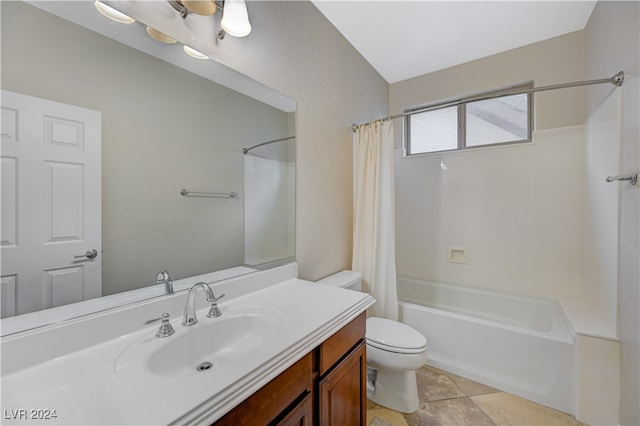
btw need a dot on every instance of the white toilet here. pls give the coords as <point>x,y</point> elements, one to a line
<point>394,352</point>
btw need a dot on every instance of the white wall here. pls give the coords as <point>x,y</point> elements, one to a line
<point>599,248</point>
<point>269,193</point>
<point>613,44</point>
<point>516,209</point>
<point>609,43</point>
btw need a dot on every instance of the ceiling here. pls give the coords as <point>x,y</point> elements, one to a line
<point>405,39</point>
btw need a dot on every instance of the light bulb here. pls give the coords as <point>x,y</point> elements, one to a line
<point>194,53</point>
<point>200,7</point>
<point>113,14</point>
<point>235,20</point>
<point>161,37</point>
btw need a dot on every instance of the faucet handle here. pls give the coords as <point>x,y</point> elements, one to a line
<point>214,311</point>
<point>165,329</point>
<point>215,299</point>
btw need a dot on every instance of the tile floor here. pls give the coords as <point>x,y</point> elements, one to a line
<point>447,399</point>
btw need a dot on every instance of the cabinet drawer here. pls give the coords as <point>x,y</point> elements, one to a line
<point>336,346</point>
<point>267,403</point>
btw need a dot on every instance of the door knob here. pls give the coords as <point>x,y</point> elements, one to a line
<point>90,254</point>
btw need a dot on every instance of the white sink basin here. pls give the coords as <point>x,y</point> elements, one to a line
<point>208,346</point>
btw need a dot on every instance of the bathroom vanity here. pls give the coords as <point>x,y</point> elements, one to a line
<point>326,387</point>
<point>284,351</point>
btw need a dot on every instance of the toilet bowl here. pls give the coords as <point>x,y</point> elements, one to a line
<point>394,352</point>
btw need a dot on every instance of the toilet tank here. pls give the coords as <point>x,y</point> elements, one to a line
<point>345,279</point>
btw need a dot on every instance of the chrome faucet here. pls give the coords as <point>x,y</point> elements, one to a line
<point>189,317</point>
<point>164,278</point>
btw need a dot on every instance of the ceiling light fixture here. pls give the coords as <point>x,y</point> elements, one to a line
<point>113,14</point>
<point>235,18</point>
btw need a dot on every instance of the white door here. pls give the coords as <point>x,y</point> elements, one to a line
<point>51,204</point>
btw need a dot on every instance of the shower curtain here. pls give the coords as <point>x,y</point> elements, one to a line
<point>374,218</point>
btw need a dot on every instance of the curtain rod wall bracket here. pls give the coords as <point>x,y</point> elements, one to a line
<point>618,79</point>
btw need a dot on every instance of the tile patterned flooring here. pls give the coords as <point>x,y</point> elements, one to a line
<point>447,399</point>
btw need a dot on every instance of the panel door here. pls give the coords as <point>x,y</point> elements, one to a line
<point>343,391</point>
<point>300,415</point>
<point>51,204</point>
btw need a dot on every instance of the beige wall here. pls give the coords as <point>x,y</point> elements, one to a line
<point>164,129</point>
<point>294,49</point>
<point>613,44</point>
<point>557,60</point>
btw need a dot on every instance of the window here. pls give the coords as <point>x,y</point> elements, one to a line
<point>471,124</point>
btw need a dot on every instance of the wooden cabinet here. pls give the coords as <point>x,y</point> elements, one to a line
<point>273,400</point>
<point>343,393</point>
<point>327,387</point>
<point>300,415</point>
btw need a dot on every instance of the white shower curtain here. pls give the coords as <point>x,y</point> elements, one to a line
<point>374,254</point>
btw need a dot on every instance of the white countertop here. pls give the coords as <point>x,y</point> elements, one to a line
<point>84,388</point>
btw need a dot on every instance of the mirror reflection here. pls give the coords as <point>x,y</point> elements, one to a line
<point>98,141</point>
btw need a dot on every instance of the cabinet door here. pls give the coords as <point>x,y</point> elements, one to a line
<point>343,392</point>
<point>267,404</point>
<point>300,415</point>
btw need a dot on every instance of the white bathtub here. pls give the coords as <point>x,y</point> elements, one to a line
<point>514,343</point>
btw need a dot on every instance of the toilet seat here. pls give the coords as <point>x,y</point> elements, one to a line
<point>393,336</point>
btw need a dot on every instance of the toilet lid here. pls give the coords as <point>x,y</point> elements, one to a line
<point>394,336</point>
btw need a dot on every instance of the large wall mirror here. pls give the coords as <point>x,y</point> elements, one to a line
<point>162,126</point>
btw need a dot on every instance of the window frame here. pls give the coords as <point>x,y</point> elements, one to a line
<point>462,119</point>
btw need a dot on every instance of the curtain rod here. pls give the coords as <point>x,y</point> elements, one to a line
<point>245,150</point>
<point>616,80</point>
